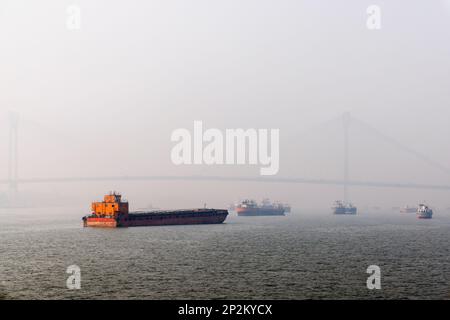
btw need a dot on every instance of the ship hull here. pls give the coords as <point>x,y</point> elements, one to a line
<point>249,212</point>
<point>182,217</point>
<point>344,211</point>
<point>425,216</point>
<point>100,222</point>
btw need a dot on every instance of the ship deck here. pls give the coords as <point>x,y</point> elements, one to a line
<point>175,211</point>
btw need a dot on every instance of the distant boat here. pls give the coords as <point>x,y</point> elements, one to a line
<point>266,208</point>
<point>408,209</point>
<point>341,207</point>
<point>424,212</point>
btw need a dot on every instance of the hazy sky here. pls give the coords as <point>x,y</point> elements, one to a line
<point>103,100</point>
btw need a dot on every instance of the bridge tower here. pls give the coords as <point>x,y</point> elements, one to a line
<point>13,173</point>
<point>346,119</point>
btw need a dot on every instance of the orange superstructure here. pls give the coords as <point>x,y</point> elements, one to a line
<point>111,212</point>
<point>111,206</point>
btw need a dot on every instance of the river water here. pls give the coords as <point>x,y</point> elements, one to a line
<point>300,256</point>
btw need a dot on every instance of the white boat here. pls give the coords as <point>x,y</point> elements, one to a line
<point>424,212</point>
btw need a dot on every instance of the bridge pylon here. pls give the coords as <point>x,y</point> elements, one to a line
<point>13,168</point>
<point>346,120</point>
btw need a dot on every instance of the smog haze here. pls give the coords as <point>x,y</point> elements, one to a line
<point>104,99</point>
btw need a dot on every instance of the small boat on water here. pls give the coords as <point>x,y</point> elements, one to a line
<point>424,212</point>
<point>341,207</point>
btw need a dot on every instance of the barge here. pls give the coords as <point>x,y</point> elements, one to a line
<point>113,212</point>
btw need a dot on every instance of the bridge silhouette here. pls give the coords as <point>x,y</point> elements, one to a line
<point>14,181</point>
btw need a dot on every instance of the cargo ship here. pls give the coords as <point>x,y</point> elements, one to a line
<point>424,212</point>
<point>251,208</point>
<point>113,212</point>
<point>341,207</point>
